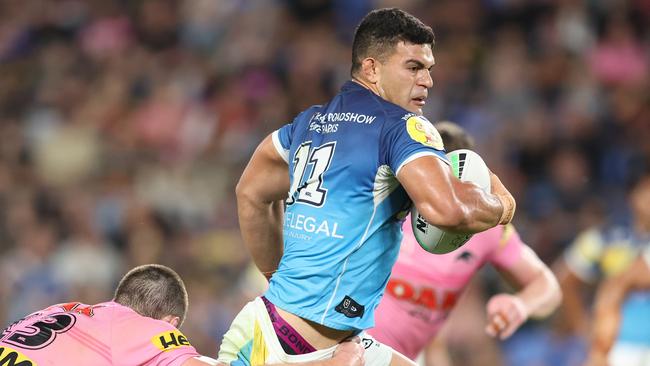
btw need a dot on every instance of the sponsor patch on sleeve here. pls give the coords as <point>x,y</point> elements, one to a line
<point>10,356</point>
<point>169,340</point>
<point>422,131</point>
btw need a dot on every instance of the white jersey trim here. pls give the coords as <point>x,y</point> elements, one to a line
<point>417,156</point>
<point>284,153</point>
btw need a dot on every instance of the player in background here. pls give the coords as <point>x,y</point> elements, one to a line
<point>138,327</point>
<point>424,287</point>
<point>351,168</point>
<point>620,331</point>
<point>598,254</point>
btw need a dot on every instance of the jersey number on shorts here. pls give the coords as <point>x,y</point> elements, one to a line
<point>308,188</point>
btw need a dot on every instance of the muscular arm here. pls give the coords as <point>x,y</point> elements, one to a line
<point>447,202</point>
<point>609,298</point>
<point>540,290</point>
<point>260,193</point>
<point>539,295</point>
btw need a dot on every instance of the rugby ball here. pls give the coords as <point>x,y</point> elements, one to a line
<point>468,166</point>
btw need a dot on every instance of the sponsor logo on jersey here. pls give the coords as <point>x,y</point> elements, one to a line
<point>79,308</point>
<point>423,132</point>
<point>350,308</point>
<point>11,357</point>
<point>311,225</point>
<point>421,295</point>
<point>342,117</point>
<point>169,340</point>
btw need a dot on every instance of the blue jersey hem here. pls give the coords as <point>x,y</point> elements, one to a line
<point>309,316</point>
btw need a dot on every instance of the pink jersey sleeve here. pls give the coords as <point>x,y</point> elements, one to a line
<point>139,340</point>
<point>507,246</point>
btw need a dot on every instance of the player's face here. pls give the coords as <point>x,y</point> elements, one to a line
<point>405,76</point>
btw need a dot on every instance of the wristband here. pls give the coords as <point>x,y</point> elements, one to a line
<point>509,206</point>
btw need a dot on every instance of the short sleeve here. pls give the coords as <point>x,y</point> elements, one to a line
<point>283,137</point>
<point>145,341</point>
<point>583,255</point>
<point>409,138</point>
<point>508,249</point>
<point>282,141</point>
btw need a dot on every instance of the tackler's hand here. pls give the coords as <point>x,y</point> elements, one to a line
<point>349,353</point>
<point>506,313</point>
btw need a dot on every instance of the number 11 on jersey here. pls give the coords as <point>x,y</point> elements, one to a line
<point>309,166</point>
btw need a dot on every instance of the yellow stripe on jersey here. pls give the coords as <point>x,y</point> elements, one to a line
<point>259,352</point>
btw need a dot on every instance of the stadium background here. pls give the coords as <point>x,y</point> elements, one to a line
<point>124,126</point>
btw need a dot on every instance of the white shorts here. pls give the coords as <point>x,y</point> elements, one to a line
<point>251,341</point>
<point>629,354</point>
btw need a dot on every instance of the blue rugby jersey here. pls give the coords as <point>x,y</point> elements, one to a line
<point>343,214</point>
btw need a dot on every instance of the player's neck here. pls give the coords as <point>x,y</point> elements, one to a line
<point>370,86</point>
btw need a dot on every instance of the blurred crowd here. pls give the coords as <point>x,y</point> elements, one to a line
<point>124,126</point>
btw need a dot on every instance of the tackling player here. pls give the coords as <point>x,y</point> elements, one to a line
<point>351,168</point>
<point>424,287</point>
<point>138,327</point>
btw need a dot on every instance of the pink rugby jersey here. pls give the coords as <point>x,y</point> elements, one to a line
<point>424,287</point>
<point>102,334</point>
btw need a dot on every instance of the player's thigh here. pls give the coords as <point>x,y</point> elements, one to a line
<point>241,333</point>
<point>379,354</point>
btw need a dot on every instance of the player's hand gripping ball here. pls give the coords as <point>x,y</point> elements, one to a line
<point>468,166</point>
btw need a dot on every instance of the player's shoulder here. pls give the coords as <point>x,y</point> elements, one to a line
<point>308,114</point>
<point>132,319</point>
<point>361,98</point>
<point>136,327</point>
<point>395,114</point>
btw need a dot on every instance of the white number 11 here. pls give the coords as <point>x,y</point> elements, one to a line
<point>310,189</point>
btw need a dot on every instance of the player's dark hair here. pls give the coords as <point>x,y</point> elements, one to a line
<point>381,30</point>
<point>153,290</point>
<point>454,137</point>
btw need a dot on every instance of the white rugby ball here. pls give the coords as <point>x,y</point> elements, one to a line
<point>468,166</point>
